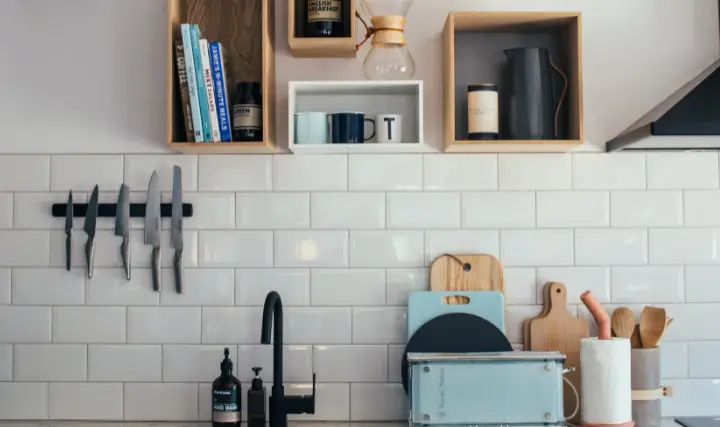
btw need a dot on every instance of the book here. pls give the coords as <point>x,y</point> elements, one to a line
<point>192,83</point>
<point>184,92</point>
<point>200,78</point>
<point>210,90</point>
<point>222,100</point>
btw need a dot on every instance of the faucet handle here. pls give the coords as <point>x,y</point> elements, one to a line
<point>300,404</point>
<point>311,399</point>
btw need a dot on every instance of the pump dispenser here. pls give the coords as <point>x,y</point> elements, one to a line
<point>256,401</point>
<point>226,396</point>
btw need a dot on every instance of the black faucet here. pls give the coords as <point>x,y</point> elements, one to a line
<point>281,405</point>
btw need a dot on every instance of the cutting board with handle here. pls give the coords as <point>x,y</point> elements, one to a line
<point>543,313</point>
<point>473,272</point>
<point>426,305</point>
<point>561,331</point>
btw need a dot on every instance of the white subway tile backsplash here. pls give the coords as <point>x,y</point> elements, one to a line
<point>138,170</point>
<point>297,362</point>
<point>615,171</point>
<point>193,363</point>
<point>164,325</point>
<point>673,359</point>
<point>656,284</point>
<point>89,325</point>
<point>24,248</point>
<point>232,324</point>
<point>386,248</point>
<point>6,362</point>
<point>382,172</point>
<point>379,325</point>
<point>7,211</point>
<point>423,210</point>
<point>322,325</point>
<point>703,357</point>
<point>576,280</point>
<point>702,208</point>
<point>527,248</point>
<point>311,173</point>
<point>311,248</point>
<point>492,209</point>
<point>350,363</point>
<point>235,249</point>
<point>438,243</point>
<point>378,402</point>
<point>86,401</point>
<point>395,357</point>
<point>235,173</point>
<point>688,317</point>
<point>48,286</point>
<point>535,171</point>
<point>108,286</point>
<point>460,172</point>
<point>702,283</point>
<point>34,170</point>
<point>211,211</point>
<point>203,287</point>
<point>161,401</point>
<point>562,209</point>
<point>515,316</point>
<point>32,211</point>
<point>684,170</point>
<point>684,246</point>
<point>50,362</point>
<point>347,286</point>
<point>401,281</point>
<point>355,211</point>
<point>646,208</point>
<point>611,247</point>
<point>253,285</point>
<point>273,211</point>
<point>83,172</point>
<point>125,362</point>
<point>25,324</point>
<point>692,398</point>
<point>24,401</point>
<point>519,285</point>
<point>5,286</point>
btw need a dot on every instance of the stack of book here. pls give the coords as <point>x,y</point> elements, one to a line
<point>203,87</point>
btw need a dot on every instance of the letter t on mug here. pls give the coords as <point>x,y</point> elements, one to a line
<point>389,128</point>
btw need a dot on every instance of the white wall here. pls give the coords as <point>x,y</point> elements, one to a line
<point>83,95</point>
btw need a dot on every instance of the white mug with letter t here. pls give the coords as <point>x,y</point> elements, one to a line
<point>389,128</point>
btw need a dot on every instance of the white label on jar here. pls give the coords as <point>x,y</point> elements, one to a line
<point>324,10</point>
<point>247,116</point>
<point>483,112</point>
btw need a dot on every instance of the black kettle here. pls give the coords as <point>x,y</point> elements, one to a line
<point>529,108</point>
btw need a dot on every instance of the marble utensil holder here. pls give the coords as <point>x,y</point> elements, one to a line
<point>646,388</point>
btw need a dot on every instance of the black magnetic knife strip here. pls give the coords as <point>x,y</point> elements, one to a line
<point>108,210</point>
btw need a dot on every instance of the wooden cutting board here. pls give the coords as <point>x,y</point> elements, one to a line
<point>477,272</point>
<point>543,313</point>
<point>561,331</point>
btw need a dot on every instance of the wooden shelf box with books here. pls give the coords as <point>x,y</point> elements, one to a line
<point>231,42</point>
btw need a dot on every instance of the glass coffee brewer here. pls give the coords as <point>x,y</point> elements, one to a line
<point>389,58</point>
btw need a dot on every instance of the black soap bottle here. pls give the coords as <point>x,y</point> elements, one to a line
<point>256,401</point>
<point>226,396</point>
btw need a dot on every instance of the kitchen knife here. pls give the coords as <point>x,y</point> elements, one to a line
<point>122,227</point>
<point>89,227</point>
<point>176,229</point>
<point>69,213</point>
<point>152,227</point>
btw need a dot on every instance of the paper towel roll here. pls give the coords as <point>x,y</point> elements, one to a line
<point>605,381</point>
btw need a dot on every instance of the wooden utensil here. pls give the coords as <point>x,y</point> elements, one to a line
<point>466,273</point>
<point>543,313</point>
<point>561,331</point>
<point>623,322</point>
<point>652,326</point>
<point>635,341</point>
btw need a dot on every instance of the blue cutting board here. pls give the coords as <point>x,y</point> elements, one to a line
<point>427,305</point>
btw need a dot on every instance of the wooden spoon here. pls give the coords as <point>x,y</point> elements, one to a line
<point>652,326</point>
<point>623,322</point>
<point>635,341</point>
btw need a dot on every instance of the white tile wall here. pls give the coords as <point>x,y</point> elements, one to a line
<point>344,239</point>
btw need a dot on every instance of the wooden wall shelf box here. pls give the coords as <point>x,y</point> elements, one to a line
<point>371,97</point>
<point>319,47</point>
<point>473,53</point>
<point>246,30</point>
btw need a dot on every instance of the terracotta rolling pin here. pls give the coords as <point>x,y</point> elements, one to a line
<point>599,314</point>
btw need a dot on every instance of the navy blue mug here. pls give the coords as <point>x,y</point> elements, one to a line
<point>349,128</point>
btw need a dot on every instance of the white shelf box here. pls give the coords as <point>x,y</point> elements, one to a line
<point>370,97</point>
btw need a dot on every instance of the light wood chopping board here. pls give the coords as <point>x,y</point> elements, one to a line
<point>561,331</point>
<point>473,272</point>
<point>543,313</point>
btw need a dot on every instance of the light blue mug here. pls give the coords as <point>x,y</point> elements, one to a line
<point>312,128</point>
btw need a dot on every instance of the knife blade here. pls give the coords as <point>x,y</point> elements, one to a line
<point>69,213</point>
<point>89,227</point>
<point>122,227</point>
<point>152,227</point>
<point>176,229</point>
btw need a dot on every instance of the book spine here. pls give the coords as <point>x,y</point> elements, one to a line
<point>210,89</point>
<point>184,95</point>
<point>217,60</point>
<point>192,83</point>
<point>200,78</point>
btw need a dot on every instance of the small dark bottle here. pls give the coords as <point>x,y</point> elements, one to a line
<point>324,18</point>
<point>247,113</point>
<point>256,409</point>
<point>226,396</point>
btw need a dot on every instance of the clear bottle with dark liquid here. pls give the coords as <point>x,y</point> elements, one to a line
<point>324,18</point>
<point>247,113</point>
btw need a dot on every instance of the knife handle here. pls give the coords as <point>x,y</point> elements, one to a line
<point>156,269</point>
<point>125,254</point>
<point>90,255</point>
<point>178,267</point>
<point>68,250</point>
